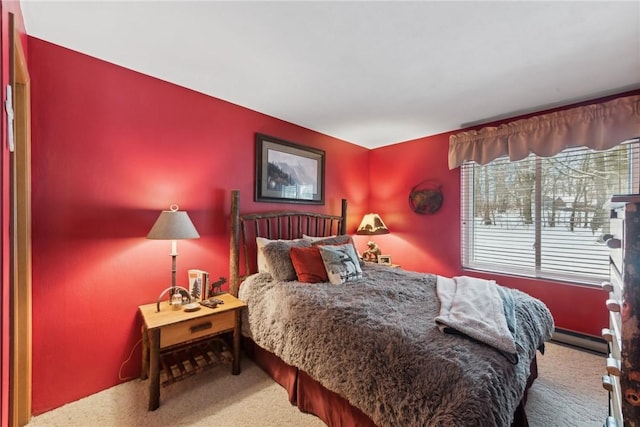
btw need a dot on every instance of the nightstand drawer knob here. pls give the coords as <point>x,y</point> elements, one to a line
<point>201,327</point>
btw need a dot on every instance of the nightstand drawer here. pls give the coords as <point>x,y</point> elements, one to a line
<point>197,328</point>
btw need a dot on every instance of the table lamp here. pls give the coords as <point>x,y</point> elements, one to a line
<point>173,225</point>
<point>372,225</point>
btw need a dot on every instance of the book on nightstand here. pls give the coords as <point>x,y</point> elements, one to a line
<point>198,284</point>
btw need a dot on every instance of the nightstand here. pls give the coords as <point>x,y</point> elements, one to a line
<point>180,344</point>
<point>384,265</point>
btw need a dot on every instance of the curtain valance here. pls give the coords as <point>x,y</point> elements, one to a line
<point>597,126</point>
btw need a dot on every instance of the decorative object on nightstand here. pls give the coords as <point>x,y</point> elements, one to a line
<point>173,225</point>
<point>372,253</point>
<point>384,259</point>
<point>372,225</point>
<point>216,287</point>
<point>198,284</point>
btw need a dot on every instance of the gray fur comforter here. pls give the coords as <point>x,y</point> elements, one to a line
<point>376,343</point>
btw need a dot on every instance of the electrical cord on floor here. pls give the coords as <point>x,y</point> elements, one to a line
<point>120,377</point>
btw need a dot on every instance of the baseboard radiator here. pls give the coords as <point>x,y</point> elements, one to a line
<point>574,339</point>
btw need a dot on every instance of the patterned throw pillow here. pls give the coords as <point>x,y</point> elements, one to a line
<point>342,239</point>
<point>341,263</point>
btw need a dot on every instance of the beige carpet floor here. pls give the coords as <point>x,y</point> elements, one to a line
<point>568,392</point>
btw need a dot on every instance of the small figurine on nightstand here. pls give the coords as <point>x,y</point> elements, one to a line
<point>371,254</point>
<point>216,287</point>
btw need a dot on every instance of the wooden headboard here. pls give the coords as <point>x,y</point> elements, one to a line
<point>273,225</point>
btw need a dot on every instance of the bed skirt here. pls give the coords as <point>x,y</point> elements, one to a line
<point>313,398</point>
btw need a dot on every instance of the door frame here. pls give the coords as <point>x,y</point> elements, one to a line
<point>20,370</point>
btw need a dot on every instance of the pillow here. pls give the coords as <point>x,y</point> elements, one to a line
<point>341,263</point>
<point>333,240</point>
<point>308,264</point>
<point>278,259</point>
<point>315,239</point>
<point>261,242</point>
<point>342,239</point>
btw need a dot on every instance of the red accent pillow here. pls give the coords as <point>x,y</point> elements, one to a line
<point>308,264</point>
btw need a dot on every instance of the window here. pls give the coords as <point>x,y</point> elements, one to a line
<point>545,217</point>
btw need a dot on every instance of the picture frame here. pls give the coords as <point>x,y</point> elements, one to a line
<point>287,172</point>
<point>384,259</point>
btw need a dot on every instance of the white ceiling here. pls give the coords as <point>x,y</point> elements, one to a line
<point>371,73</point>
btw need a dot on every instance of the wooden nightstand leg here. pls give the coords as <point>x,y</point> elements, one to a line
<point>144,370</point>
<point>235,368</point>
<point>154,369</point>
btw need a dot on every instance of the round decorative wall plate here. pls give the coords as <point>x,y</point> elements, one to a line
<point>425,198</point>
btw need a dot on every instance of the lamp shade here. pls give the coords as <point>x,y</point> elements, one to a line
<point>173,225</point>
<point>372,225</point>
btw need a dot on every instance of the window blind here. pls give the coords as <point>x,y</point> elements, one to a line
<point>545,216</point>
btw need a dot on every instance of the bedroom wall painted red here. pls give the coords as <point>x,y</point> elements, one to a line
<point>111,149</point>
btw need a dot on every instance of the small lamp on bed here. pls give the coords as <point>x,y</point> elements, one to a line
<point>173,225</point>
<point>372,225</point>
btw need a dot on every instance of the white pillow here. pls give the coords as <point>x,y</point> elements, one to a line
<point>261,242</point>
<point>341,263</point>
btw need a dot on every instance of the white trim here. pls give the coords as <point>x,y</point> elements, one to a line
<point>580,340</point>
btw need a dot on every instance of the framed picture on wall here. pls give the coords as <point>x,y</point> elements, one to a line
<point>287,172</point>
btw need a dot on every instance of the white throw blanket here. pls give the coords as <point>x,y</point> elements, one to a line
<point>473,307</point>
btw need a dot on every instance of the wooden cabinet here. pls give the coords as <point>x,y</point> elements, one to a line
<point>623,362</point>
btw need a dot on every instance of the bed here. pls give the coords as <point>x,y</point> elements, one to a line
<point>366,350</point>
